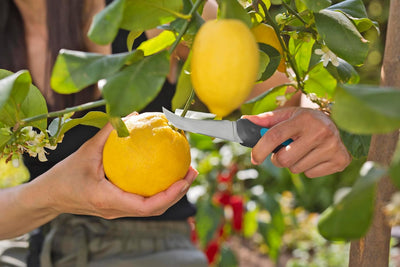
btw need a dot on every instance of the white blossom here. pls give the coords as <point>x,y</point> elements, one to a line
<point>34,143</point>
<point>281,100</point>
<point>15,162</point>
<point>327,55</point>
<point>312,96</point>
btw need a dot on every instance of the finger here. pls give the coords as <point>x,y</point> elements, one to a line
<point>102,135</point>
<point>273,138</point>
<point>311,159</point>
<point>322,169</point>
<point>295,151</point>
<point>269,119</point>
<point>191,175</point>
<point>173,194</point>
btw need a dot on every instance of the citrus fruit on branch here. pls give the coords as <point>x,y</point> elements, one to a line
<point>266,34</point>
<point>224,64</point>
<point>150,159</point>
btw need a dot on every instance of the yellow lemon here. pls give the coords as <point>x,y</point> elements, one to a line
<point>150,159</point>
<point>266,34</point>
<point>224,64</point>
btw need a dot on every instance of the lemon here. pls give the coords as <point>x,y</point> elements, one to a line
<point>150,159</point>
<point>224,64</point>
<point>266,34</point>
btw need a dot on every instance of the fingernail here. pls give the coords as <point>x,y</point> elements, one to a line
<point>253,161</point>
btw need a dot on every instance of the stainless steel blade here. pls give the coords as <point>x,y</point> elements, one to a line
<point>223,129</point>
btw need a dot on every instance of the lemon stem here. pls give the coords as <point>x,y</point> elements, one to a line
<point>188,102</point>
<point>59,113</point>
<point>297,15</point>
<point>185,26</point>
<point>293,12</point>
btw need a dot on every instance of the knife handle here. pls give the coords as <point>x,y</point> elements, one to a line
<point>250,133</point>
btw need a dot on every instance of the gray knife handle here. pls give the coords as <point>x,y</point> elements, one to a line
<point>250,133</point>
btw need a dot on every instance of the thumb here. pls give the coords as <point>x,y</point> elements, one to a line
<point>100,138</point>
<point>271,118</point>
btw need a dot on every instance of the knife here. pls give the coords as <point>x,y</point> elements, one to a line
<point>241,131</point>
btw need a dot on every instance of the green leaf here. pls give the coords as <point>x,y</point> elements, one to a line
<point>158,43</point>
<point>300,6</point>
<point>357,145</point>
<point>351,217</point>
<point>320,82</point>
<point>262,70</point>
<point>136,85</point>
<point>341,36</point>
<point>232,9</point>
<point>105,25</point>
<point>273,62</point>
<point>344,73</point>
<point>141,15</point>
<point>317,5</point>
<point>131,39</point>
<point>75,70</point>
<point>93,118</point>
<point>202,142</point>
<point>208,218</point>
<point>120,126</point>
<point>14,87</point>
<point>5,136</point>
<point>364,24</point>
<point>365,109</point>
<point>34,104</point>
<point>302,52</point>
<point>184,86</point>
<point>354,8</point>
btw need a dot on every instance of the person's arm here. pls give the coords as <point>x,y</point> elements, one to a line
<point>78,185</point>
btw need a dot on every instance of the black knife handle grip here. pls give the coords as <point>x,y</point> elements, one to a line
<point>250,133</point>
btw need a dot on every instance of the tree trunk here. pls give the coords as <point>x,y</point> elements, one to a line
<point>373,249</point>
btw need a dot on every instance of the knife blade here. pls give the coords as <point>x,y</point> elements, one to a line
<point>241,131</point>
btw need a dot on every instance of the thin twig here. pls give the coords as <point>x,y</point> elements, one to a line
<point>59,113</point>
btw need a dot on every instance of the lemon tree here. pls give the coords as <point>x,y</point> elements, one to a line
<point>150,159</point>
<point>317,44</point>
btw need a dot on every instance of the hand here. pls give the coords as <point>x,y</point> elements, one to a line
<point>79,186</point>
<point>316,150</point>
